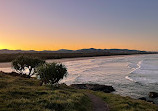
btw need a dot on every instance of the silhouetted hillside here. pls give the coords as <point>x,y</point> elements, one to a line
<point>90,50</point>
<point>9,55</point>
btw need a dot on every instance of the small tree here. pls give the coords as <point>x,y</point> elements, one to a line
<point>22,63</point>
<point>51,73</point>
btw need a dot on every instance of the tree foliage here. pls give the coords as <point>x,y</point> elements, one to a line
<point>22,63</point>
<point>51,73</point>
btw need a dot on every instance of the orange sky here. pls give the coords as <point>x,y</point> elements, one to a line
<point>72,41</point>
<point>53,25</point>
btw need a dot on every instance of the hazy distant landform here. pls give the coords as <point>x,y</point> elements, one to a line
<point>90,50</point>
<point>9,55</point>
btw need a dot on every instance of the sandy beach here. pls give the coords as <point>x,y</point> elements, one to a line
<point>8,64</point>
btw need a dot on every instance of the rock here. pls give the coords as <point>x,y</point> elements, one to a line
<point>153,95</point>
<point>150,101</point>
<point>143,98</point>
<point>94,87</point>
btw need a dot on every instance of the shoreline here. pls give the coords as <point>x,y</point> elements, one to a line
<point>26,93</point>
<point>133,92</point>
<point>8,64</point>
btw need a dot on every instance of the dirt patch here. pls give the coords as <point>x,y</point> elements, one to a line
<point>98,103</point>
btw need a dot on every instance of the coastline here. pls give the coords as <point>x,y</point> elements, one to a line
<point>28,93</point>
<point>8,64</point>
<point>113,81</point>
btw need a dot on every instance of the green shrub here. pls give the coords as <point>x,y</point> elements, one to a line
<point>51,73</point>
<point>22,63</point>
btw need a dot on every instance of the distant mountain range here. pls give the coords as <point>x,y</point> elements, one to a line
<point>90,50</point>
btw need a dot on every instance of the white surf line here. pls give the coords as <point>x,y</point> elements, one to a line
<point>130,79</point>
<point>139,66</point>
<point>134,69</point>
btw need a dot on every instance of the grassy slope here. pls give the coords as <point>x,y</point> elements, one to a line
<point>119,103</point>
<point>17,93</point>
<point>22,94</point>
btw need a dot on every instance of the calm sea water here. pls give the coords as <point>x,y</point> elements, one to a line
<point>133,76</point>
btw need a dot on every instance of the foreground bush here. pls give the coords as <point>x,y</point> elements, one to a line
<point>51,73</point>
<point>22,63</point>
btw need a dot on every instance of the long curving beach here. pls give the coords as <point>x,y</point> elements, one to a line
<point>8,64</point>
<point>132,75</point>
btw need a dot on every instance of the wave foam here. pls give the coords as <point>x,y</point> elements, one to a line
<point>145,72</point>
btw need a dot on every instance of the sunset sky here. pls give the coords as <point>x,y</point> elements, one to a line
<point>76,24</point>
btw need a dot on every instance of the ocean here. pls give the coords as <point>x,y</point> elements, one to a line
<point>132,75</point>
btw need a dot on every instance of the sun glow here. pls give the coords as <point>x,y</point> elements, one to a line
<point>47,26</point>
<point>2,46</point>
<point>5,46</point>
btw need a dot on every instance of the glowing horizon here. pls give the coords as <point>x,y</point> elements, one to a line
<point>77,24</point>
